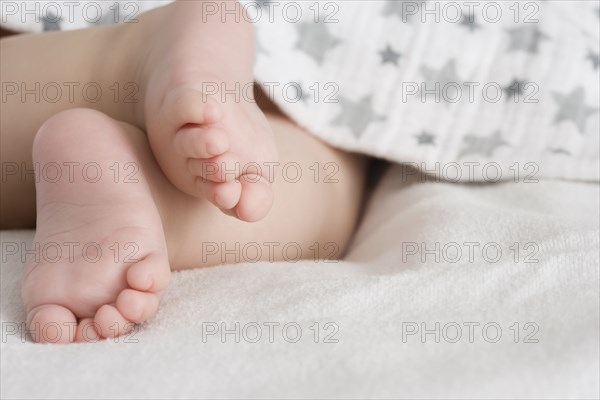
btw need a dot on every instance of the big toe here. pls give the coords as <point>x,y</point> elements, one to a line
<point>51,323</point>
<point>256,198</point>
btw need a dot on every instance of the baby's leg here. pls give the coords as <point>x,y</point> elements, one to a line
<point>151,74</point>
<point>108,217</point>
<point>317,190</point>
<point>74,62</point>
<point>154,74</point>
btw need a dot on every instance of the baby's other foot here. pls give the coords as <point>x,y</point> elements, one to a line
<point>101,262</point>
<point>218,147</point>
<point>220,151</point>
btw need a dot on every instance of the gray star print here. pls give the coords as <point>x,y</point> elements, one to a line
<point>573,108</point>
<point>405,9</point>
<point>105,20</point>
<point>51,23</point>
<point>357,115</point>
<point>443,76</point>
<point>514,90</point>
<point>265,5</point>
<point>481,145</point>
<point>425,138</point>
<point>315,39</point>
<point>389,56</point>
<point>594,58</point>
<point>526,38</point>
<point>469,22</point>
<point>302,94</point>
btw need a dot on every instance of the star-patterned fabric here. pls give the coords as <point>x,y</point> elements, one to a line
<point>427,82</point>
<point>436,82</point>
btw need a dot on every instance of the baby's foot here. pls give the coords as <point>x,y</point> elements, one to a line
<point>218,147</point>
<point>100,263</point>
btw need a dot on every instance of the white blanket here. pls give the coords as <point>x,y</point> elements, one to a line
<point>373,301</point>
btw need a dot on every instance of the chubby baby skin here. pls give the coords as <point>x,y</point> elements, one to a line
<point>165,192</point>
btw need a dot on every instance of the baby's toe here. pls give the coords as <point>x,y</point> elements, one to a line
<point>223,168</point>
<point>51,323</point>
<point>256,198</point>
<point>87,331</point>
<point>195,141</point>
<point>137,306</point>
<point>225,195</point>
<point>111,323</point>
<point>150,274</point>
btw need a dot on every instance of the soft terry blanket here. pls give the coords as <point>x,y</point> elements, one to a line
<point>374,303</point>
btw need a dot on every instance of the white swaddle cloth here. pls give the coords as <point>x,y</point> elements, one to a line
<point>464,90</point>
<point>467,90</point>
